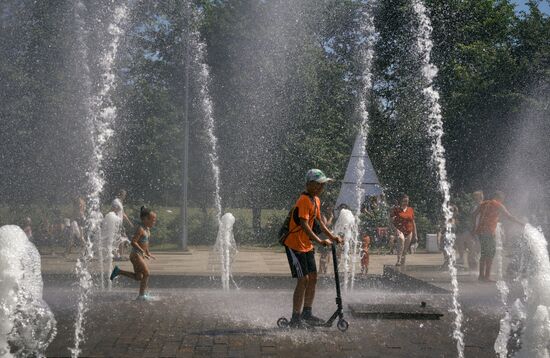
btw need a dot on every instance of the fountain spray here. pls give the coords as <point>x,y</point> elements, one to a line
<point>27,325</point>
<point>346,227</point>
<point>366,52</point>
<point>501,343</point>
<point>100,117</point>
<point>435,131</point>
<point>225,247</point>
<point>530,313</point>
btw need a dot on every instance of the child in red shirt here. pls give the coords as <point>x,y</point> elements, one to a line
<point>365,255</point>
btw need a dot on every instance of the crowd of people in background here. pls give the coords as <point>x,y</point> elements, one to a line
<point>58,234</point>
<point>66,234</point>
<point>392,230</point>
<point>384,228</point>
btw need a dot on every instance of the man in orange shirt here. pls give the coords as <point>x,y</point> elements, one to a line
<point>300,251</point>
<point>402,219</point>
<point>487,216</point>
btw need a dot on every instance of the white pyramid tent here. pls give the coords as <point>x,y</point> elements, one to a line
<point>370,184</point>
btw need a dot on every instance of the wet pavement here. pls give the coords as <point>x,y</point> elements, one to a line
<point>242,323</point>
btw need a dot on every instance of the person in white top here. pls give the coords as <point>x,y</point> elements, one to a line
<point>118,205</point>
<point>27,227</point>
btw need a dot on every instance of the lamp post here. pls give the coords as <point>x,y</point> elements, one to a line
<point>184,213</point>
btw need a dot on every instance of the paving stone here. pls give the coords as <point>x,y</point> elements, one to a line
<point>210,324</point>
<point>221,340</point>
<point>184,354</point>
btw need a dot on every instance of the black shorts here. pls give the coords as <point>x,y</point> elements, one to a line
<point>301,263</point>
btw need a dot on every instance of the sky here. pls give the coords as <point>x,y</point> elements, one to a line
<point>544,5</point>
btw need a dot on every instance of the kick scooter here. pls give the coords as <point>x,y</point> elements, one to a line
<point>342,324</point>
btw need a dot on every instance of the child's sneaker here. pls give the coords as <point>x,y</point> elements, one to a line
<point>312,320</point>
<point>308,317</point>
<point>145,298</point>
<point>297,323</point>
<point>115,273</point>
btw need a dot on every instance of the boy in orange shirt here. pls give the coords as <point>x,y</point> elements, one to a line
<point>487,216</point>
<point>300,251</point>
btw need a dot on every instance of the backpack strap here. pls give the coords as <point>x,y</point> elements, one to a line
<point>312,198</point>
<point>296,218</point>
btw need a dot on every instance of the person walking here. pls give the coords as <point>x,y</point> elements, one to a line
<point>487,217</point>
<point>365,256</point>
<point>121,239</point>
<point>27,228</point>
<point>402,219</point>
<point>77,224</point>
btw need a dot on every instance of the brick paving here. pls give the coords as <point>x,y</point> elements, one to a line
<point>212,323</point>
<point>203,322</point>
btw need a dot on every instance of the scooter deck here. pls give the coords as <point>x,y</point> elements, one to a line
<point>341,324</point>
<point>307,324</point>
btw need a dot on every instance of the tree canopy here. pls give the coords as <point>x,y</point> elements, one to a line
<point>285,82</point>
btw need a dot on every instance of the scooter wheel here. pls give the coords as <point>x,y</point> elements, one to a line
<point>282,322</point>
<point>342,325</point>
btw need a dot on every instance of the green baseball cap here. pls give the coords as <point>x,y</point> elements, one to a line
<point>317,176</point>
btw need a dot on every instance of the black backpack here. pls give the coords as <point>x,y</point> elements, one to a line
<point>293,215</point>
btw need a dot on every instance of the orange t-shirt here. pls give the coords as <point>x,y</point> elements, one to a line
<point>489,214</point>
<point>403,219</point>
<point>298,240</point>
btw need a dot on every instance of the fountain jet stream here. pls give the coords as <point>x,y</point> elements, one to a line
<point>225,247</point>
<point>203,78</point>
<point>108,240</point>
<point>100,117</point>
<point>27,325</point>
<point>366,53</point>
<point>346,227</point>
<point>530,315</point>
<point>435,131</point>
<point>501,343</point>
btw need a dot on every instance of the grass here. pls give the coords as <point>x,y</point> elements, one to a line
<point>202,226</point>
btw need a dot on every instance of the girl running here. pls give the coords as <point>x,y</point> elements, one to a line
<point>140,252</point>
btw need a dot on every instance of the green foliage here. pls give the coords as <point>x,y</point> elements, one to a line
<point>398,142</point>
<point>424,225</point>
<point>465,205</point>
<point>285,79</point>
